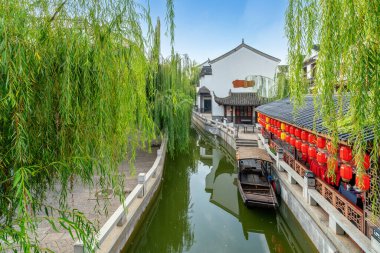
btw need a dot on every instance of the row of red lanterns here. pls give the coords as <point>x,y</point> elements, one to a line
<point>309,149</point>
<point>345,153</point>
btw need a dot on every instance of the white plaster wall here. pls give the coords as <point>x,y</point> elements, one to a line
<point>237,65</point>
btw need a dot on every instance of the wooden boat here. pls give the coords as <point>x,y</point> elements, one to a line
<point>255,167</point>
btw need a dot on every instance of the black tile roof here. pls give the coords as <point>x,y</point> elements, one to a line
<point>203,90</point>
<point>243,45</point>
<point>241,99</point>
<point>304,117</point>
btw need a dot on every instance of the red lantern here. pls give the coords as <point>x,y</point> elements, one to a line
<point>278,124</point>
<point>345,153</point>
<point>298,144</point>
<point>362,182</point>
<point>304,156</point>
<point>297,133</point>
<point>321,157</point>
<point>346,172</point>
<point>291,130</point>
<point>332,161</point>
<point>312,139</point>
<point>304,135</point>
<point>312,152</point>
<point>278,133</point>
<point>288,138</point>
<point>287,128</point>
<point>330,148</point>
<point>293,141</point>
<point>321,142</point>
<point>304,148</point>
<point>366,162</point>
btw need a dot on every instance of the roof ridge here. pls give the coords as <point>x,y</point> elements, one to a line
<point>249,48</point>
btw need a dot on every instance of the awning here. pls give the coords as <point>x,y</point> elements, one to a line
<point>253,153</point>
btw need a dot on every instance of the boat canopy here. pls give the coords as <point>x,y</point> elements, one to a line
<point>253,153</point>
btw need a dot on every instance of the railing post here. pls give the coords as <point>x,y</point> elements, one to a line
<point>279,157</point>
<point>123,219</point>
<point>309,183</point>
<point>141,180</point>
<point>78,247</point>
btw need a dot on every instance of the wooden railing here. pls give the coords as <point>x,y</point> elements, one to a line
<point>345,207</point>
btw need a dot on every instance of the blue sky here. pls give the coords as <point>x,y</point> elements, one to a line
<point>209,28</point>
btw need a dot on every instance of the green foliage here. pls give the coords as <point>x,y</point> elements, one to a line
<point>78,95</point>
<point>282,82</point>
<point>348,65</point>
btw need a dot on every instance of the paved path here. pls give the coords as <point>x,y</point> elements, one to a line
<point>85,200</point>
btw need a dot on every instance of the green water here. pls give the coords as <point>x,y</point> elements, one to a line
<point>199,209</point>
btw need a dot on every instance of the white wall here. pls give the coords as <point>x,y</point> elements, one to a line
<point>237,65</point>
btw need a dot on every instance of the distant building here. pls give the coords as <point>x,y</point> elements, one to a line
<point>309,65</point>
<point>225,88</point>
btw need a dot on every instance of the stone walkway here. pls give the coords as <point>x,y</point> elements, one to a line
<point>86,201</point>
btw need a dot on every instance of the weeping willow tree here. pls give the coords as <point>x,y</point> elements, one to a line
<point>282,82</point>
<point>78,94</point>
<point>348,65</point>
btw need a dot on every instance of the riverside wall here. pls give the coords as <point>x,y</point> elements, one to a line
<point>326,227</point>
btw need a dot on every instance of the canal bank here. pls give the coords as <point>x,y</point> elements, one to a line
<point>118,228</point>
<point>199,209</point>
<point>326,227</point>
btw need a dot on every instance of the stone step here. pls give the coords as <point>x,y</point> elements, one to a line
<point>246,145</point>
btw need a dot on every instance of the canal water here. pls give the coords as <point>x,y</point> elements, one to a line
<point>199,209</point>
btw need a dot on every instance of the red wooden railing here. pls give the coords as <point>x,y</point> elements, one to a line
<point>345,207</point>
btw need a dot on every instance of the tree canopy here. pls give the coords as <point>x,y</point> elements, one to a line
<point>82,86</point>
<point>348,65</point>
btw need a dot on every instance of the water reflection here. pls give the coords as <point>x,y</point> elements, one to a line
<point>199,209</point>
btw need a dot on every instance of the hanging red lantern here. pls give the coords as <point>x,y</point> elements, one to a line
<point>293,141</point>
<point>279,124</point>
<point>298,144</point>
<point>297,132</point>
<point>291,130</point>
<point>312,152</point>
<point>278,133</point>
<point>311,139</point>
<point>287,128</point>
<point>330,148</point>
<point>345,153</point>
<point>366,162</point>
<point>288,138</point>
<point>321,142</point>
<point>321,157</point>
<point>363,182</point>
<point>333,162</point>
<point>304,157</point>
<point>346,172</point>
<point>304,148</point>
<point>304,135</point>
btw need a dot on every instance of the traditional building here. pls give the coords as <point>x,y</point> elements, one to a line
<point>309,65</point>
<point>306,146</point>
<point>225,90</point>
